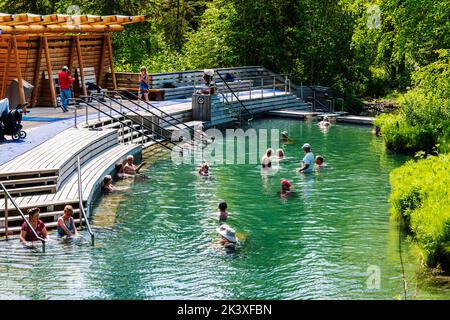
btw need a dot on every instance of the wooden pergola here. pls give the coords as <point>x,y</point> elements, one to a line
<point>35,48</point>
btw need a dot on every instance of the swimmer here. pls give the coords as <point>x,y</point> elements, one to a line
<point>266,161</point>
<point>284,136</point>
<point>223,214</point>
<point>280,154</point>
<point>325,123</point>
<point>319,162</point>
<point>119,172</point>
<point>130,168</point>
<point>204,170</point>
<point>108,184</point>
<point>228,237</point>
<point>286,188</point>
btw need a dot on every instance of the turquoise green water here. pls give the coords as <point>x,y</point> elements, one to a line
<point>157,241</point>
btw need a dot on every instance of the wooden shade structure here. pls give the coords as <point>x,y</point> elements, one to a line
<point>35,48</point>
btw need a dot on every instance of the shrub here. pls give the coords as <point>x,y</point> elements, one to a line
<point>420,194</point>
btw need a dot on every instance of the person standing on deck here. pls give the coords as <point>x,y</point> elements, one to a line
<point>308,160</point>
<point>144,86</point>
<point>65,83</point>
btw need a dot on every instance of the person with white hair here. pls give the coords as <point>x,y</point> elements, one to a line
<point>130,167</point>
<point>325,123</point>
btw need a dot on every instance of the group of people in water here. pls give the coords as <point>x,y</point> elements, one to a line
<point>129,170</point>
<point>66,227</point>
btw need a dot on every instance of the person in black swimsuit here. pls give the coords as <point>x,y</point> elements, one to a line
<point>266,161</point>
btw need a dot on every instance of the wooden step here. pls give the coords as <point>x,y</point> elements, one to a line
<point>30,190</point>
<point>28,174</point>
<point>30,181</point>
<point>41,215</point>
<point>48,225</point>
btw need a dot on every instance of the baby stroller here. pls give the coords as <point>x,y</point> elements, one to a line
<point>10,122</point>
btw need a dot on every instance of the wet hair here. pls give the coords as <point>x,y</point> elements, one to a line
<point>270,150</point>
<point>107,179</point>
<point>33,211</point>
<point>223,206</point>
<point>280,150</point>
<point>119,167</point>
<point>68,208</point>
<point>320,158</point>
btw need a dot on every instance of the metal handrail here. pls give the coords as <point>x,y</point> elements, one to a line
<point>151,105</point>
<point>80,195</point>
<point>8,196</point>
<point>137,114</point>
<point>158,117</point>
<point>127,125</point>
<point>234,94</point>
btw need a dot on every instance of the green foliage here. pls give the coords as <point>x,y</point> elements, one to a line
<point>421,195</point>
<point>424,119</point>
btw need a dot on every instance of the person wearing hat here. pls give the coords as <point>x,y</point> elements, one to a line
<point>325,123</point>
<point>228,236</point>
<point>65,83</point>
<point>308,160</point>
<point>284,136</point>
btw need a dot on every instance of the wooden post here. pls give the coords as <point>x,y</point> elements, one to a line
<point>72,53</point>
<point>80,65</point>
<point>6,71</point>
<point>111,62</point>
<point>49,71</point>
<point>37,72</point>
<point>19,75</point>
<point>102,61</point>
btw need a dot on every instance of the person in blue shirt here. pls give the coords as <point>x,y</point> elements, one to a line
<point>308,160</point>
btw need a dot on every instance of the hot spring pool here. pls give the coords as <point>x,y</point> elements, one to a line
<point>155,241</point>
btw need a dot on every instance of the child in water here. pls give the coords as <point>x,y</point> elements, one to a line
<point>319,162</point>
<point>204,170</point>
<point>286,188</point>
<point>223,214</point>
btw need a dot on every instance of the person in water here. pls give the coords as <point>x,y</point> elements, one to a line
<point>308,160</point>
<point>325,123</point>
<point>286,188</point>
<point>27,236</point>
<point>280,154</point>
<point>108,184</point>
<point>266,161</point>
<point>320,162</point>
<point>130,168</point>
<point>284,136</point>
<point>119,172</point>
<point>223,214</point>
<point>228,236</point>
<point>204,170</point>
<point>66,223</point>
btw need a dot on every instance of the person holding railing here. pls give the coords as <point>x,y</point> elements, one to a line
<point>27,236</point>
<point>65,83</point>
<point>144,85</point>
<point>66,223</point>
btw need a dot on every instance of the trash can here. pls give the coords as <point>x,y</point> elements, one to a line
<point>201,107</point>
<point>13,92</point>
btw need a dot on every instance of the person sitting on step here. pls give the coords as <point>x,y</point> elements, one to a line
<point>66,223</point>
<point>27,235</point>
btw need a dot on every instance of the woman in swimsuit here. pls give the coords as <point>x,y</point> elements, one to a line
<point>266,161</point>
<point>27,236</point>
<point>144,85</point>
